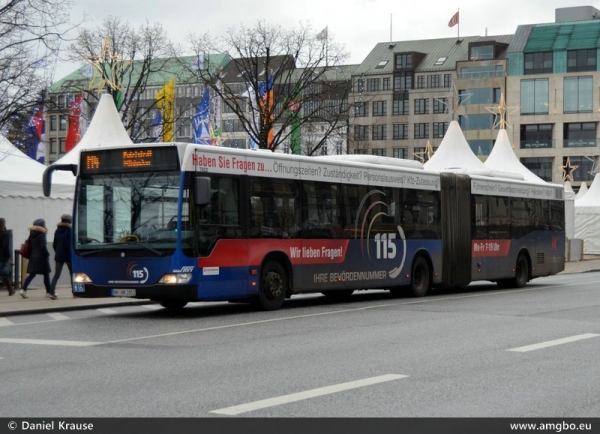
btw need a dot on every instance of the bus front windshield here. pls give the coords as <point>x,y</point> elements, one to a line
<point>134,212</point>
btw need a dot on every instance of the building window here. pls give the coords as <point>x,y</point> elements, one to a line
<point>403,80</point>
<point>421,106</point>
<point>379,108</point>
<point>382,152</point>
<point>381,64</point>
<point>386,83</point>
<point>433,81</point>
<point>379,132</point>
<point>373,84</point>
<point>403,61</point>
<point>63,122</point>
<point>361,109</point>
<point>581,60</point>
<point>401,106</point>
<point>421,82</point>
<point>360,85</point>
<point>361,151</point>
<point>481,147</point>
<point>440,60</point>
<point>53,149</point>
<point>579,135</point>
<point>538,63</point>
<point>479,96</point>
<point>541,167</point>
<point>578,94</point>
<point>534,96</point>
<point>536,136</point>
<point>421,131</point>
<point>235,143</point>
<point>62,141</point>
<point>476,122</point>
<point>361,132</point>
<point>400,153</point>
<point>447,80</point>
<point>482,52</point>
<point>440,105</point>
<point>439,129</point>
<point>53,123</point>
<point>585,171</point>
<point>400,131</point>
<point>422,155</point>
<point>482,71</point>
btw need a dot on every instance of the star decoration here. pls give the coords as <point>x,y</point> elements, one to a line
<point>426,154</point>
<point>594,169</point>
<point>568,170</point>
<point>106,77</point>
<point>501,113</point>
<point>449,100</point>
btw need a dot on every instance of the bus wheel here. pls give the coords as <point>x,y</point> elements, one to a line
<point>421,277</point>
<point>338,293</point>
<point>173,304</point>
<point>273,287</point>
<point>521,272</point>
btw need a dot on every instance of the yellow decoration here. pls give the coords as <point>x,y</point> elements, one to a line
<point>568,170</point>
<point>165,100</point>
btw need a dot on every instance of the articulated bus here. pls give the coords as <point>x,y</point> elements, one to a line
<point>179,222</point>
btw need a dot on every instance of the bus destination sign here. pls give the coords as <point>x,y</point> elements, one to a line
<point>129,160</point>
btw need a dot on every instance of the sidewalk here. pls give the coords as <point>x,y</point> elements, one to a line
<point>38,303</point>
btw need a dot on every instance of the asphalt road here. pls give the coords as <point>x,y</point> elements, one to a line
<point>478,352</point>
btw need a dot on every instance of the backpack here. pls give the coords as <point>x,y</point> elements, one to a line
<point>25,250</point>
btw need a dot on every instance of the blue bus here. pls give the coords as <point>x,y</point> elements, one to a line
<point>180,222</point>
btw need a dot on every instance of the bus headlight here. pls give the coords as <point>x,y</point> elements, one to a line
<point>175,278</point>
<point>81,278</point>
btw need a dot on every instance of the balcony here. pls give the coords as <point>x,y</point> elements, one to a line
<point>537,144</point>
<point>580,143</point>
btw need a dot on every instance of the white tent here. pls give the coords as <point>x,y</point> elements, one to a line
<point>582,191</point>
<point>587,219</point>
<point>21,197</point>
<point>503,158</point>
<point>569,193</point>
<point>105,130</point>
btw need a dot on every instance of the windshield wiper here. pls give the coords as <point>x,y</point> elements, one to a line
<point>114,246</point>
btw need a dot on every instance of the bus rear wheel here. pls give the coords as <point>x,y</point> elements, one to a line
<point>273,287</point>
<point>521,275</point>
<point>421,277</point>
<point>173,304</point>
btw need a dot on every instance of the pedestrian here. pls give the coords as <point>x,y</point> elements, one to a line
<point>5,256</point>
<point>39,262</point>
<point>62,249</point>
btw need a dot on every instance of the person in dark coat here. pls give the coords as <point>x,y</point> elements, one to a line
<point>5,255</point>
<point>62,248</point>
<point>39,262</point>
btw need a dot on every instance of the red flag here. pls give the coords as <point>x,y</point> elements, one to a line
<point>73,135</point>
<point>453,21</point>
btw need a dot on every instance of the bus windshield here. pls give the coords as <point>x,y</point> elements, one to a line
<point>133,211</point>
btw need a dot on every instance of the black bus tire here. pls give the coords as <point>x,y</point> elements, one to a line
<point>521,272</point>
<point>273,287</point>
<point>421,277</point>
<point>173,304</point>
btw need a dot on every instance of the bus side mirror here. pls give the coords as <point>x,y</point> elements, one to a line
<point>202,191</point>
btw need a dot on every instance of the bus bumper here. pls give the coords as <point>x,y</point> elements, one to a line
<point>154,292</point>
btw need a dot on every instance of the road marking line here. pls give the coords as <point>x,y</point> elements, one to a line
<point>553,343</point>
<point>107,310</point>
<point>58,316</point>
<point>6,322</point>
<point>307,394</point>
<point>49,342</point>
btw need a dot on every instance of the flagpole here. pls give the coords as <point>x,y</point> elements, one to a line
<point>326,45</point>
<point>458,34</point>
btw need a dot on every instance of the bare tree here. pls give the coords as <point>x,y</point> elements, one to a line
<point>31,33</point>
<point>125,62</point>
<point>275,72</point>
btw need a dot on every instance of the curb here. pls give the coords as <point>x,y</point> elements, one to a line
<point>71,308</point>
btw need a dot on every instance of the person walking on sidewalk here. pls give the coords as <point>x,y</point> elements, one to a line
<point>39,262</point>
<point>62,248</point>
<point>5,255</point>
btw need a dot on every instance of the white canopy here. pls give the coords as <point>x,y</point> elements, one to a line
<point>105,130</point>
<point>569,193</point>
<point>587,219</point>
<point>503,158</point>
<point>582,191</point>
<point>21,197</point>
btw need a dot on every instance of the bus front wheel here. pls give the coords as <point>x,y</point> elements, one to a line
<point>273,286</point>
<point>421,277</point>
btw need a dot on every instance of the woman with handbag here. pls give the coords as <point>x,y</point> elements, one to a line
<point>5,257</point>
<point>39,262</point>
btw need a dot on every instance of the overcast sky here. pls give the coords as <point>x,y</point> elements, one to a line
<point>358,24</point>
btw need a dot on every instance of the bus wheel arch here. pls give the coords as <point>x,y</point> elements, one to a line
<point>275,282</point>
<point>173,303</point>
<point>421,275</point>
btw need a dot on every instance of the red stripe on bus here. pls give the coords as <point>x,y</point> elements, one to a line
<point>480,248</point>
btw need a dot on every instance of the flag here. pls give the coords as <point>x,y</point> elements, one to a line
<point>166,103</point>
<point>251,95</point>
<point>35,132</point>
<point>74,133</point>
<point>265,91</point>
<point>200,121</point>
<point>454,20</point>
<point>294,114</point>
<point>322,35</point>
<point>216,130</point>
<point>157,130</point>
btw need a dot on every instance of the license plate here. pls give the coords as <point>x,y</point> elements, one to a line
<point>129,292</point>
<point>78,287</point>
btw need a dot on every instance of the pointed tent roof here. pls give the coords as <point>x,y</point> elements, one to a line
<point>503,158</point>
<point>569,193</point>
<point>105,130</point>
<point>21,176</point>
<point>591,199</point>
<point>455,153</point>
<point>582,191</point>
